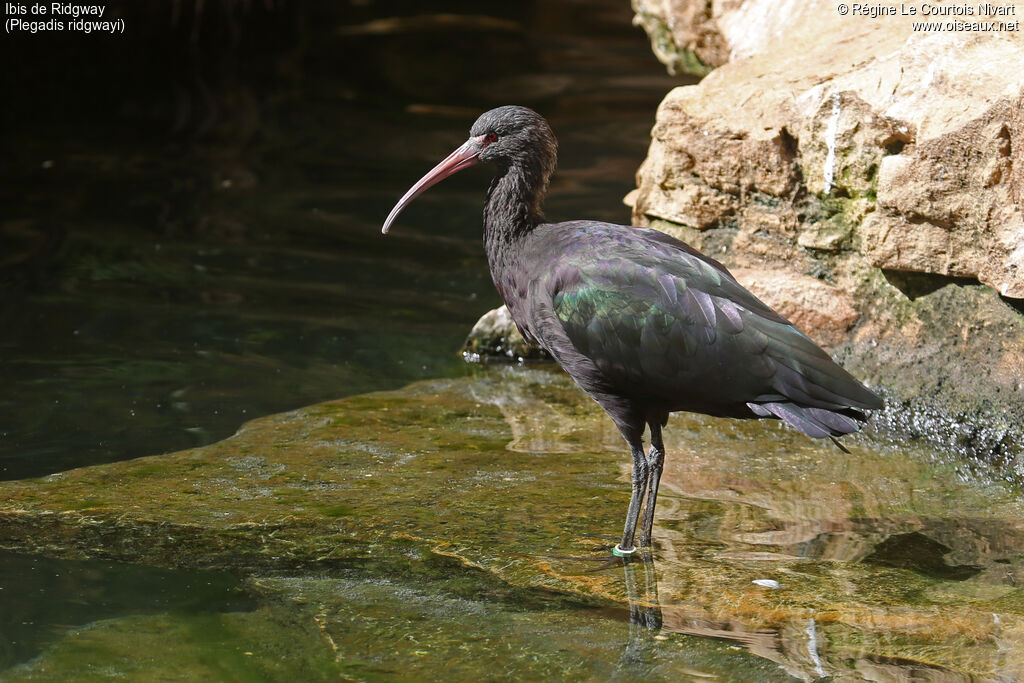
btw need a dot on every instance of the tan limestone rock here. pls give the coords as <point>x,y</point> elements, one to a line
<point>950,207</point>
<point>684,35</point>
<point>822,311</point>
<point>918,127</point>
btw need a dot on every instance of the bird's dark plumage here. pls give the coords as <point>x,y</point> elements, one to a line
<point>643,322</point>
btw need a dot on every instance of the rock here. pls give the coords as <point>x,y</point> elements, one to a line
<point>952,205</point>
<point>843,108</point>
<point>820,310</point>
<point>496,335</point>
<point>322,484</point>
<point>869,157</point>
<point>683,34</point>
<point>371,530</point>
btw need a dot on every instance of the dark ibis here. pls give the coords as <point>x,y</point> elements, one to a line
<point>644,323</point>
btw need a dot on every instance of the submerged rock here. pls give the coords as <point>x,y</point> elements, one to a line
<point>510,479</point>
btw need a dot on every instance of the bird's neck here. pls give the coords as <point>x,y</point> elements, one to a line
<point>512,211</point>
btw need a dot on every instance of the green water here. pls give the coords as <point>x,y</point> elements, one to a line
<point>43,598</point>
<point>463,525</point>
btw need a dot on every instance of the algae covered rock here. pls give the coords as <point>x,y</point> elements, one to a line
<point>488,496</point>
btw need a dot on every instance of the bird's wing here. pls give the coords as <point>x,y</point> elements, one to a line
<point>662,321</point>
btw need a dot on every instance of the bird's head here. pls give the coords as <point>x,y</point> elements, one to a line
<point>515,136</point>
<point>510,137</point>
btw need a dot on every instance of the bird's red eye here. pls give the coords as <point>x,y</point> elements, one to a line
<point>491,137</point>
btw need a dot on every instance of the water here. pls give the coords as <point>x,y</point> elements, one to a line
<point>43,598</point>
<point>204,248</point>
<point>191,241</point>
<point>465,524</point>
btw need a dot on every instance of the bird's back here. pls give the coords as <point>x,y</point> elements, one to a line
<point>635,313</point>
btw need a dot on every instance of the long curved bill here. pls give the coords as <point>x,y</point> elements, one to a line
<point>463,157</point>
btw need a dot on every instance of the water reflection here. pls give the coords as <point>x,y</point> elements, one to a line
<point>881,565</point>
<point>802,647</point>
<point>191,229</point>
<point>888,563</point>
<point>162,288</point>
<point>645,618</point>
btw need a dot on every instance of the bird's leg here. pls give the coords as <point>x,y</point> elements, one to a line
<point>636,498</point>
<point>655,463</point>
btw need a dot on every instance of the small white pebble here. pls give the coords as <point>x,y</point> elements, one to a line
<point>767,583</point>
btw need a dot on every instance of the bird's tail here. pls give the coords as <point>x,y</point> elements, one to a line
<point>816,422</point>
